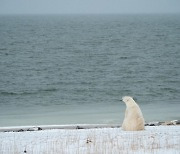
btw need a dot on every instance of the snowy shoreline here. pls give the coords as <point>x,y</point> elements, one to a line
<point>77,126</point>
<point>48,127</point>
<point>70,139</point>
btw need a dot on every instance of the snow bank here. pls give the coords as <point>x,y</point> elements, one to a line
<point>155,139</point>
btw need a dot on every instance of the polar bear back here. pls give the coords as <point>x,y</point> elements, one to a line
<point>133,120</point>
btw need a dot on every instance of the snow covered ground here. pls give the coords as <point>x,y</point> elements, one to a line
<point>155,139</point>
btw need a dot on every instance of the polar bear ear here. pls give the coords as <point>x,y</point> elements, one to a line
<point>135,99</point>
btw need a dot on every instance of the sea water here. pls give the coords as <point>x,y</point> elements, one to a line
<point>69,69</point>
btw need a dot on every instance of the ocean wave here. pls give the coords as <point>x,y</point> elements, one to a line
<point>170,90</point>
<point>33,92</point>
<point>3,49</point>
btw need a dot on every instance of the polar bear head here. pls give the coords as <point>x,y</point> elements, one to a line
<point>128,100</point>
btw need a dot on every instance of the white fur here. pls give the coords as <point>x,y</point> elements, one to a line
<point>133,120</point>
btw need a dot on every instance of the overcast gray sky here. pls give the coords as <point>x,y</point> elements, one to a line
<point>88,6</point>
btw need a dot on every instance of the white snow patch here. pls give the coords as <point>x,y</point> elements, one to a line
<point>155,139</point>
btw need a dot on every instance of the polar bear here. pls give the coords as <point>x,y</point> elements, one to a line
<point>133,120</point>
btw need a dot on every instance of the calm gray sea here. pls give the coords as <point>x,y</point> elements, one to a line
<point>67,69</point>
